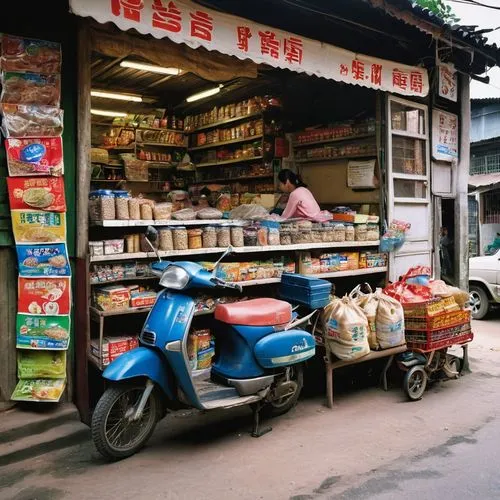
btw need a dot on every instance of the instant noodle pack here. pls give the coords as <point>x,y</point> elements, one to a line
<point>32,123</point>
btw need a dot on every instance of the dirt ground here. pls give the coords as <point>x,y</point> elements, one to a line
<point>373,444</point>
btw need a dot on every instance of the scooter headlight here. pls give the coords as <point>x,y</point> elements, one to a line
<point>174,277</point>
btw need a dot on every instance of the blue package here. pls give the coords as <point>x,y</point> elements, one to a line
<point>48,259</point>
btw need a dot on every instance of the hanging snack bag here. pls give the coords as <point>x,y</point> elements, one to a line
<point>346,329</point>
<point>390,322</point>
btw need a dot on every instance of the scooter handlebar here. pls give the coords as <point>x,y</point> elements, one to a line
<point>227,284</point>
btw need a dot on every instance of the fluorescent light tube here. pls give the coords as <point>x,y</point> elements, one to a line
<point>103,112</point>
<point>205,93</point>
<point>115,95</point>
<point>151,67</point>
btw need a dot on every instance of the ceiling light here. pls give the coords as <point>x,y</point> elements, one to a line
<point>151,67</point>
<point>115,95</point>
<point>205,93</point>
<point>103,112</point>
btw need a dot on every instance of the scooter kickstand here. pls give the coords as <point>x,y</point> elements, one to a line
<point>257,430</point>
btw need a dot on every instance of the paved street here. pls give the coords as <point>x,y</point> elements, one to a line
<point>374,445</point>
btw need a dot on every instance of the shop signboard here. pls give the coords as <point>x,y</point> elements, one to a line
<point>50,296</point>
<point>42,332</point>
<point>49,259</point>
<point>448,82</point>
<point>444,135</point>
<point>190,23</point>
<point>37,226</point>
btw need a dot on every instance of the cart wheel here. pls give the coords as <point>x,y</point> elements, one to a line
<point>415,382</point>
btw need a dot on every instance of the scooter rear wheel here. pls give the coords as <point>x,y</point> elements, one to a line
<point>285,404</point>
<point>115,434</point>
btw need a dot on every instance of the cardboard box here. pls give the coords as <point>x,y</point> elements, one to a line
<point>113,297</point>
<point>349,261</point>
<point>142,299</point>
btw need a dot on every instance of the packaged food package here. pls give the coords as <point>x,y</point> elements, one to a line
<point>42,390</point>
<point>439,288</point>
<point>192,350</point>
<point>113,247</point>
<point>114,297</point>
<point>31,88</point>
<point>228,271</point>
<point>48,296</point>
<point>162,211</point>
<point>224,202</point>
<point>368,302</point>
<point>184,214</point>
<point>31,120</point>
<point>29,54</point>
<point>40,193</point>
<point>43,260</point>
<point>346,329</point>
<point>42,156</point>
<point>42,332</point>
<point>390,322</point>
<point>136,170</point>
<point>349,261</point>
<point>38,226</point>
<point>209,213</point>
<point>41,364</point>
<point>204,359</point>
<point>248,212</point>
<point>180,200</point>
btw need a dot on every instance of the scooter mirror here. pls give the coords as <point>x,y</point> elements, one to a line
<point>151,233</point>
<point>228,251</point>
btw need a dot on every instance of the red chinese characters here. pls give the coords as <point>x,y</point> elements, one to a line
<point>166,18</point>
<point>201,25</point>
<point>376,74</point>
<point>244,35</point>
<point>269,44</point>
<point>130,9</point>
<point>358,70</point>
<point>293,50</point>
<point>416,82</point>
<point>399,79</point>
<point>344,69</point>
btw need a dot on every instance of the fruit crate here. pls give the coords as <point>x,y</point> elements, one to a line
<point>430,340</point>
<point>445,319</point>
<point>430,307</point>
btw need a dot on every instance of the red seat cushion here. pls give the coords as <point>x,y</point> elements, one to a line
<point>256,312</point>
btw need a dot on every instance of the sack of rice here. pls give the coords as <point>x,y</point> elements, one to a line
<point>389,322</point>
<point>368,302</point>
<point>346,329</point>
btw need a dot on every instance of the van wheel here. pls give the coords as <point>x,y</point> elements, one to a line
<point>479,302</point>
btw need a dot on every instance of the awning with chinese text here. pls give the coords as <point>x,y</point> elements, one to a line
<point>186,22</point>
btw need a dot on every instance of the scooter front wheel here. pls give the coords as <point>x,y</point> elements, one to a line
<point>116,433</point>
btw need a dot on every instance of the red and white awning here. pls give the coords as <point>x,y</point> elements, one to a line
<point>186,22</point>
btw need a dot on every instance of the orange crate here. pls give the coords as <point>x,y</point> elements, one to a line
<point>438,321</point>
<point>439,338</point>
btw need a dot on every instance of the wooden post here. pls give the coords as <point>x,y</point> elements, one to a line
<point>461,206</point>
<point>83,187</point>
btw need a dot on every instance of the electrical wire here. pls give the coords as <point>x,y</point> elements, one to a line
<point>478,4</point>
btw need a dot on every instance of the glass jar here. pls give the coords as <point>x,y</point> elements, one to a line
<point>102,205</point>
<point>166,240</point>
<point>360,231</point>
<point>146,211</point>
<point>372,232</point>
<point>180,237</point>
<point>223,237</point>
<point>273,236</point>
<point>209,237</point>
<point>237,236</point>
<point>194,238</point>
<point>349,232</point>
<point>134,209</point>
<point>121,205</point>
<point>338,233</point>
<point>162,211</point>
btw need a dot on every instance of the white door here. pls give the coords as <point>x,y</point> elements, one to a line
<point>409,182</point>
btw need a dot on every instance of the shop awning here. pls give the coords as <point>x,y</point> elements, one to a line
<point>188,23</point>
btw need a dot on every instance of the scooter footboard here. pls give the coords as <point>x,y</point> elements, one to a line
<point>285,348</point>
<point>139,362</point>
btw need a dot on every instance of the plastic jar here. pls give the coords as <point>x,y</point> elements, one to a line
<point>262,236</point>
<point>194,238</point>
<point>237,236</point>
<point>146,211</point>
<point>250,236</point>
<point>301,236</point>
<point>360,231</point>
<point>316,233</point>
<point>121,205</point>
<point>102,205</point>
<point>134,209</point>
<point>223,237</point>
<point>372,232</point>
<point>209,237</point>
<point>166,240</point>
<point>273,236</point>
<point>162,211</point>
<point>145,246</point>
<point>180,237</point>
<point>338,233</point>
<point>285,237</point>
<point>349,232</point>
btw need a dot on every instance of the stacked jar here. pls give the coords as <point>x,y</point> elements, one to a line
<point>339,233</point>
<point>102,205</point>
<point>195,238</point>
<point>209,237</point>
<point>237,236</point>
<point>224,237</point>
<point>121,204</point>
<point>166,240</point>
<point>180,238</point>
<point>361,232</point>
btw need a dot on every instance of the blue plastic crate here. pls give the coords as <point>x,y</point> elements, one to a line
<point>305,290</point>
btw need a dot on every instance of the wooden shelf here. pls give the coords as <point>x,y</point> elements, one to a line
<point>224,143</point>
<point>122,280</point>
<point>160,144</point>
<point>353,272</point>
<point>237,179</point>
<point>335,158</point>
<point>236,250</point>
<point>224,122</point>
<point>336,139</point>
<point>196,222</point>
<point>129,147</point>
<point>159,164</point>
<point>229,162</point>
<point>175,131</point>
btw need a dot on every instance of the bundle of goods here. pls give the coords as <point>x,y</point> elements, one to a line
<point>319,262</point>
<point>436,315</point>
<point>112,348</point>
<point>117,297</point>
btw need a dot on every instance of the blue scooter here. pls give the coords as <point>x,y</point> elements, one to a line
<point>258,361</point>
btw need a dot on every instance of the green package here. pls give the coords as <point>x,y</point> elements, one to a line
<point>41,364</point>
<point>42,390</point>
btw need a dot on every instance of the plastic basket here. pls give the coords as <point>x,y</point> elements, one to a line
<point>437,321</point>
<point>439,338</point>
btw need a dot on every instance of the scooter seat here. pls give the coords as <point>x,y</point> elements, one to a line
<point>255,312</point>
